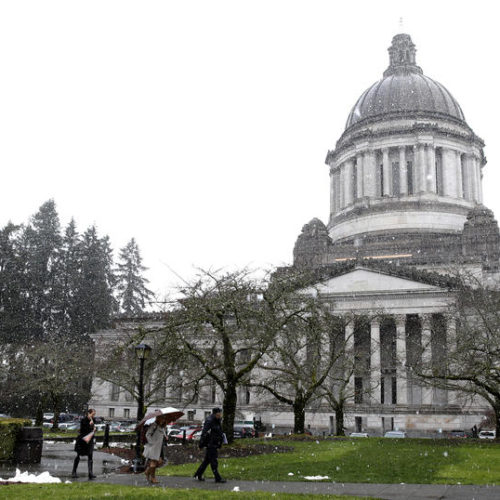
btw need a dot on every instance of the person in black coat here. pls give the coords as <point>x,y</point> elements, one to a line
<point>82,447</point>
<point>212,438</point>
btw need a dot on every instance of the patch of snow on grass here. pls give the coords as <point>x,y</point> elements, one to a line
<point>316,478</point>
<point>26,477</point>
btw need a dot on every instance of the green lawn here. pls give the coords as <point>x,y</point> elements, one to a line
<point>92,491</point>
<point>370,460</point>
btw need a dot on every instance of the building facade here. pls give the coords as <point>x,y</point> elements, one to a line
<point>406,205</point>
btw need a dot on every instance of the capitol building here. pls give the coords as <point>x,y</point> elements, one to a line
<point>406,204</point>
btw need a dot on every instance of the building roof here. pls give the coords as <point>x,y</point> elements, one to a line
<point>404,90</point>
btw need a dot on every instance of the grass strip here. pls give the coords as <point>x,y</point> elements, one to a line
<point>368,460</point>
<point>93,491</point>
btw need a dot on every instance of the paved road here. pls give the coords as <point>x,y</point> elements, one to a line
<point>58,460</point>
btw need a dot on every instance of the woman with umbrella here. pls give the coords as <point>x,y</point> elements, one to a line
<point>157,421</point>
<point>153,448</point>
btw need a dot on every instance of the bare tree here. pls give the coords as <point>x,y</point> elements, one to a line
<point>472,361</point>
<point>298,369</point>
<point>222,326</point>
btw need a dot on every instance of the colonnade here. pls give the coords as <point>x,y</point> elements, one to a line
<point>405,170</point>
<point>395,346</point>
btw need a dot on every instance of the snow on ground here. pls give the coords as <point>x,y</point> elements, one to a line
<point>316,478</point>
<point>26,477</point>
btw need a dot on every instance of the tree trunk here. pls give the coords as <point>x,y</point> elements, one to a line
<point>299,416</point>
<point>57,411</point>
<point>339,420</point>
<point>39,413</point>
<point>496,409</point>
<point>229,411</point>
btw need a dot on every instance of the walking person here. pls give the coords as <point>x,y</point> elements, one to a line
<point>212,438</point>
<point>153,448</point>
<point>84,445</point>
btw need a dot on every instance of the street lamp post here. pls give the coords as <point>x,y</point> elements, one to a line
<point>142,352</point>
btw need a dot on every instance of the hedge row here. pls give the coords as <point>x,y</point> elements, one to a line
<point>9,429</point>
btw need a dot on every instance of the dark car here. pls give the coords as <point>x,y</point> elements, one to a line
<point>457,433</point>
<point>243,431</point>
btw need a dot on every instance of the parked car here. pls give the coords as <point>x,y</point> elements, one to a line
<point>487,435</point>
<point>395,434</point>
<point>243,431</point>
<point>189,434</point>
<point>359,434</point>
<point>457,433</point>
<point>69,426</point>
<point>197,436</point>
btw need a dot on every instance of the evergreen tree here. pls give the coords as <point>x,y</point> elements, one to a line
<point>42,243</point>
<point>132,291</point>
<point>12,296</point>
<point>94,303</point>
<point>70,272</point>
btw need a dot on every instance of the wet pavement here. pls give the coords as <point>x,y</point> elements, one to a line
<point>57,458</point>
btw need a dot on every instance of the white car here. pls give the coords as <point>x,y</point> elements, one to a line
<point>487,435</point>
<point>395,434</point>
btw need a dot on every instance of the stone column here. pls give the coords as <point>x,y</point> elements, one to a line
<point>460,191</point>
<point>479,181</point>
<point>349,365</point>
<point>342,186</point>
<point>431,169</point>
<point>421,184</point>
<point>386,169</point>
<point>401,383</point>
<point>332,192</point>
<point>359,174</point>
<point>370,174</point>
<point>467,177</point>
<point>375,372</point>
<point>474,179</point>
<point>426,357</point>
<point>337,191</point>
<point>403,171</point>
<point>348,181</point>
<point>449,173</point>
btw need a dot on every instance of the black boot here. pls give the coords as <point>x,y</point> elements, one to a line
<point>74,475</point>
<point>91,475</point>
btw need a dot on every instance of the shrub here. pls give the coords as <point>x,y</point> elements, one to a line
<point>9,429</point>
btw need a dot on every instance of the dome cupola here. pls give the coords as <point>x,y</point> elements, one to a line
<point>404,90</point>
<point>407,161</point>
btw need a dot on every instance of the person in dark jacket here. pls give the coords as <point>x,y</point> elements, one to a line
<point>212,437</point>
<point>85,447</point>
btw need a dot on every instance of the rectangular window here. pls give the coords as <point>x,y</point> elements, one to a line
<point>358,390</point>
<point>111,412</point>
<point>191,415</point>
<point>381,177</point>
<point>358,422</point>
<point>207,414</point>
<point>126,412</point>
<point>394,391</point>
<point>128,397</point>
<point>115,392</point>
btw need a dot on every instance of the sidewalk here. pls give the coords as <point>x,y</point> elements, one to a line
<point>58,460</point>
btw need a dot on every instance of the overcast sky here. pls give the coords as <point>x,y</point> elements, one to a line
<point>201,127</point>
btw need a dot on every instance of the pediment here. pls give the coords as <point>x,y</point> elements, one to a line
<point>367,281</point>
